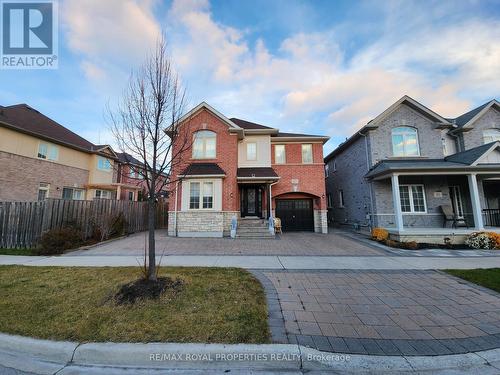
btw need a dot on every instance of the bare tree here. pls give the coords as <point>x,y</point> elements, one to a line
<point>146,125</point>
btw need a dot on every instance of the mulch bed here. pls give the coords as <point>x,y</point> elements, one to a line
<point>146,289</point>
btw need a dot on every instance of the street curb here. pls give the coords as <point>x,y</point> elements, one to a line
<point>45,356</point>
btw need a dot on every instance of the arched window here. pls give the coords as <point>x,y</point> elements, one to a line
<point>491,135</point>
<point>405,141</point>
<point>204,144</point>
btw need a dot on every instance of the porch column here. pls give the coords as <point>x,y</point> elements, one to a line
<point>476,204</point>
<point>397,202</point>
<point>118,192</point>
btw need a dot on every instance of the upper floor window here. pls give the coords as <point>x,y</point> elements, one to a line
<point>251,151</point>
<point>48,151</point>
<point>103,164</point>
<point>279,154</point>
<point>405,141</point>
<point>327,170</point>
<point>307,155</point>
<point>491,135</point>
<point>204,144</point>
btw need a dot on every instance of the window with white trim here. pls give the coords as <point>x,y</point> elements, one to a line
<point>341,198</point>
<point>103,194</point>
<point>491,135</point>
<point>204,144</point>
<point>201,194</point>
<point>43,191</point>
<point>73,194</point>
<point>279,154</point>
<point>412,198</point>
<point>251,151</point>
<point>327,170</point>
<point>405,141</point>
<point>48,151</point>
<point>103,164</point>
<point>307,155</point>
<point>130,195</point>
<point>329,200</point>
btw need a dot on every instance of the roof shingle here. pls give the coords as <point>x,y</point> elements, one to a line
<point>202,169</point>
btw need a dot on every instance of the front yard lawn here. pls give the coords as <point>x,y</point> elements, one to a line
<point>224,305</point>
<point>17,252</point>
<point>489,278</point>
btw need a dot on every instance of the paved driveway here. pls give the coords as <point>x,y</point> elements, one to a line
<point>382,312</point>
<point>302,243</point>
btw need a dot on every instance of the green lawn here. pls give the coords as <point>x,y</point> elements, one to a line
<point>17,252</point>
<point>489,278</point>
<point>223,305</point>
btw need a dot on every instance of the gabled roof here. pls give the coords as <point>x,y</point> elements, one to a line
<point>473,155</point>
<point>125,158</point>
<point>468,118</point>
<point>412,103</point>
<point>247,125</point>
<point>23,118</point>
<point>204,105</point>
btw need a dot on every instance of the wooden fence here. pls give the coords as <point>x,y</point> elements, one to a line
<point>22,223</point>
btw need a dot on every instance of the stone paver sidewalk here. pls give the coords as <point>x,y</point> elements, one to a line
<point>382,312</point>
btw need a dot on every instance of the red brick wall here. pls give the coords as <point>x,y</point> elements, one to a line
<point>226,157</point>
<point>311,177</point>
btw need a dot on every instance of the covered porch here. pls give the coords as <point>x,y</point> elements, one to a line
<point>435,200</point>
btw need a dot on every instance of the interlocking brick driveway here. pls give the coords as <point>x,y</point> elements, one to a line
<point>302,243</point>
<point>382,312</point>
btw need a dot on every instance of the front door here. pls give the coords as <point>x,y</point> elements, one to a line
<point>251,201</point>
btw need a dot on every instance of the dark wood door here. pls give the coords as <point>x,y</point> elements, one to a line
<point>251,201</point>
<point>295,214</point>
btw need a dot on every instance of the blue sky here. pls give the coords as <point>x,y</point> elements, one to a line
<point>322,67</point>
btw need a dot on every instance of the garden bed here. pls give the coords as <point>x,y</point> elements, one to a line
<point>214,305</point>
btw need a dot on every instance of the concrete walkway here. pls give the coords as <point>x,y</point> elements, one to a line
<point>266,262</point>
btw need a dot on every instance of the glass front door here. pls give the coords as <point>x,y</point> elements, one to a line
<point>251,201</point>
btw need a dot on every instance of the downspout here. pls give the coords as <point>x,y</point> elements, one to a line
<point>175,209</point>
<point>370,186</point>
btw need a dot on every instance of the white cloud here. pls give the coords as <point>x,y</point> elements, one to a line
<point>109,34</point>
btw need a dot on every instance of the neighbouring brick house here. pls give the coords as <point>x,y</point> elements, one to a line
<point>41,159</point>
<point>131,176</point>
<point>408,167</point>
<point>235,168</point>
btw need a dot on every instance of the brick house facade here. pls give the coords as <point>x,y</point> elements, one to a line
<point>407,167</point>
<point>228,169</point>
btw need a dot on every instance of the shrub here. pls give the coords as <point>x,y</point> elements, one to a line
<point>380,234</point>
<point>482,240</point>
<point>56,241</point>
<point>411,245</point>
<point>495,239</point>
<point>391,243</point>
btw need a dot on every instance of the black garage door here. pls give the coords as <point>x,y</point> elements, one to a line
<point>295,214</point>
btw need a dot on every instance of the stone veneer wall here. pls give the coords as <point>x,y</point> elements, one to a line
<point>201,223</point>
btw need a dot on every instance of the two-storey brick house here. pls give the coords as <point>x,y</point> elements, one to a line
<point>236,168</point>
<point>409,168</point>
<point>41,159</point>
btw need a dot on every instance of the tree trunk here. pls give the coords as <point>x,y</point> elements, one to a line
<point>151,230</point>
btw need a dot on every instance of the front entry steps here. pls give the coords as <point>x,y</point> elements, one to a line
<point>253,228</point>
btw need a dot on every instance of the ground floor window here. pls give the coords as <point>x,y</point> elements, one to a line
<point>73,194</point>
<point>412,198</point>
<point>130,195</point>
<point>341,198</point>
<point>43,191</point>
<point>103,194</point>
<point>201,194</point>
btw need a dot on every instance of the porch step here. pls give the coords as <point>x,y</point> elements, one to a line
<point>252,223</point>
<point>253,230</point>
<point>255,236</point>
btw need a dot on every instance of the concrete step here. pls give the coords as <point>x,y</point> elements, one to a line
<point>252,230</point>
<point>252,223</point>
